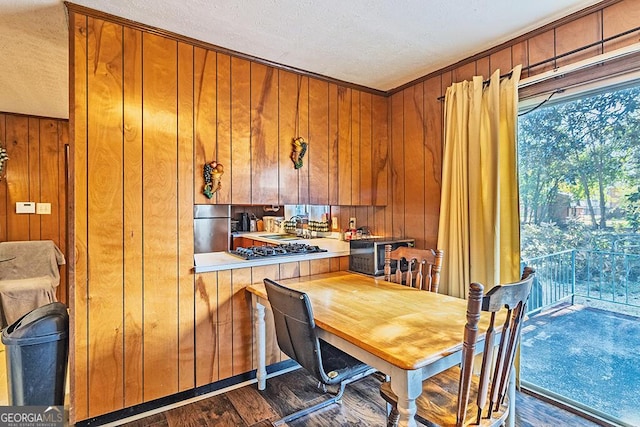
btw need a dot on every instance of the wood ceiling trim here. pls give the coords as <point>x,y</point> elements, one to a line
<point>524,37</point>
<point>83,10</point>
<point>72,7</point>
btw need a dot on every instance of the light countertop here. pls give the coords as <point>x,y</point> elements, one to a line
<point>217,261</point>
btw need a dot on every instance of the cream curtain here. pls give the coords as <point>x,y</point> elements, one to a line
<point>479,228</point>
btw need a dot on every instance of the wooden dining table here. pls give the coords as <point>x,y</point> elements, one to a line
<point>408,334</point>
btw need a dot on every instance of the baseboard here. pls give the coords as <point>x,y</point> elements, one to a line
<point>162,404</point>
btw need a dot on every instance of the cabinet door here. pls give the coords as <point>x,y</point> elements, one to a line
<point>264,134</point>
<point>318,150</point>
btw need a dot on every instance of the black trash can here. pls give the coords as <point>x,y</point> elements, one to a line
<point>37,347</point>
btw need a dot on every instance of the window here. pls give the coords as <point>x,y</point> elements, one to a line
<point>579,172</point>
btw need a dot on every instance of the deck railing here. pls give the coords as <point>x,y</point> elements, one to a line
<point>612,277</point>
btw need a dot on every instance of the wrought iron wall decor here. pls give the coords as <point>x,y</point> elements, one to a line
<point>298,151</point>
<point>212,174</point>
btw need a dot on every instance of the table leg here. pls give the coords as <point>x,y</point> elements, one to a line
<point>261,372</point>
<point>407,385</point>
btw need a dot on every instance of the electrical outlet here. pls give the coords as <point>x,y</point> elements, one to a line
<point>25,207</point>
<point>43,208</point>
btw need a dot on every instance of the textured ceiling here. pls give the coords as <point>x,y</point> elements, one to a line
<point>379,44</point>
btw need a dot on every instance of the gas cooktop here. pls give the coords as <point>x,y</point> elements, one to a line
<point>261,252</point>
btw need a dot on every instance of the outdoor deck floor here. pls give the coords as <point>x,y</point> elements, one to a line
<point>590,355</point>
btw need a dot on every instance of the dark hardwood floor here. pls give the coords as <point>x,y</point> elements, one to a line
<point>361,406</point>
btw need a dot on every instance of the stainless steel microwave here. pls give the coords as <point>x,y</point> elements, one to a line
<point>367,255</point>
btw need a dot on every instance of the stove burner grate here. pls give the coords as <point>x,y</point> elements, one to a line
<point>266,251</point>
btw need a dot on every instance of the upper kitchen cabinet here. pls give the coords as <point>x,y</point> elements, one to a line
<point>264,134</point>
<point>294,118</point>
<point>345,160</point>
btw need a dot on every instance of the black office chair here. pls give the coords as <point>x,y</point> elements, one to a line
<point>297,338</point>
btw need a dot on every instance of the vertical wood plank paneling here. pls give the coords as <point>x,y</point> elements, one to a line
<point>379,224</point>
<point>362,216</point>
<point>320,266</point>
<point>618,18</point>
<point>397,164</point>
<point>206,323</point>
<point>264,134</point>
<point>78,277</point>
<point>433,143</point>
<point>242,325</point>
<point>240,131</point>
<point>160,216</point>
<point>303,125</point>
<point>464,72</point>
<point>49,154</point>
<point>501,60</point>
<point>483,67</point>
<point>17,145</point>
<point>133,230</point>
<point>289,270</point>
<point>345,119</point>
<point>223,126</point>
<point>577,34</point>
<point>61,199</point>
<point>520,55</point>
<point>288,110</point>
<point>334,264</point>
<point>380,151</point>
<point>541,48</point>
<point>105,218</point>
<point>318,151</point>
<point>354,157</point>
<point>304,268</point>
<point>34,183</point>
<point>414,163</point>
<point>366,152</point>
<point>225,325</point>
<point>446,81</point>
<point>204,82</point>
<point>333,145</point>
<point>186,310</point>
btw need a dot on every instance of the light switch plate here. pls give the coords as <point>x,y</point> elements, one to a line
<point>25,207</point>
<point>43,208</point>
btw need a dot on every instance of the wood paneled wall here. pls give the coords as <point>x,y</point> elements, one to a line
<point>246,115</point>
<point>223,319</point>
<point>416,114</point>
<point>35,172</point>
<point>148,112</point>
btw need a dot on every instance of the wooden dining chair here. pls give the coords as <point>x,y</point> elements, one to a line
<point>423,267</point>
<point>457,397</point>
<point>297,337</point>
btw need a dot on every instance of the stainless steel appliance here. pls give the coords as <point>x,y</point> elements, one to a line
<point>267,251</point>
<point>367,255</point>
<point>211,228</point>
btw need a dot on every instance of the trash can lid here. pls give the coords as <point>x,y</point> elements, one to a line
<point>43,324</point>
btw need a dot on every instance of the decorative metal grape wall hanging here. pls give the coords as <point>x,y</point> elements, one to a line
<point>212,174</point>
<point>298,151</point>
